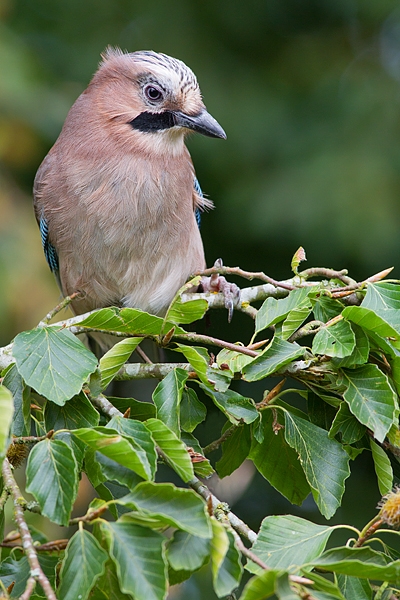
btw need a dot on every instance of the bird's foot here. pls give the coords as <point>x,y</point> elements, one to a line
<point>217,283</point>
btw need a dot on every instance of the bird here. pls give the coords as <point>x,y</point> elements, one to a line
<point>116,198</point>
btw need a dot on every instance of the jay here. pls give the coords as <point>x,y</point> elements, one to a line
<point>116,198</point>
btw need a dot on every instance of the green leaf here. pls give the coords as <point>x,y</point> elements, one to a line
<point>92,468</point>
<point>77,412</point>
<point>174,450</point>
<point>82,565</point>
<point>273,311</point>
<point>360,354</point>
<point>360,562</point>
<point>198,357</point>
<point>383,468</point>
<point>283,589</point>
<point>187,552</point>
<point>325,463</point>
<point>347,425</point>
<point>17,572</point>
<point>282,469</point>
<point>329,589</point>
<point>52,478</point>
<point>112,471</point>
<point>54,362</point>
<point>139,435</point>
<point>235,361</point>
<point>337,340</point>
<point>186,312</point>
<point>287,541</point>
<point>382,296</point>
<point>167,398</point>
<point>260,587</point>
<point>127,320</point>
<point>230,571</point>
<point>326,308</point>
<point>236,407</point>
<point>370,398</point>
<point>234,451</point>
<point>219,548</point>
<point>175,506</point>
<point>139,557</point>
<point>295,318</point>
<point>124,451</point>
<point>354,588</point>
<point>117,356</point>
<point>140,411</point>
<point>6,412</point>
<point>107,587</point>
<point>192,411</point>
<point>78,448</point>
<point>22,401</point>
<point>384,324</point>
<point>219,379</point>
<point>278,354</point>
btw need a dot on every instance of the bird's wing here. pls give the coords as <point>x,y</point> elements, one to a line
<point>200,202</point>
<point>50,251</point>
<point>199,192</point>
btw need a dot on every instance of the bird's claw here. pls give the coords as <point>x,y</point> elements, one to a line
<point>217,283</point>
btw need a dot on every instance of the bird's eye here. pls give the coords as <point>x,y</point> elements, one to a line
<point>152,93</point>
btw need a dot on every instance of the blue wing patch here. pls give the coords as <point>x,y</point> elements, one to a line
<point>199,191</point>
<point>49,250</point>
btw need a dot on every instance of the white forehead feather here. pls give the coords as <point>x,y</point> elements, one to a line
<point>160,64</point>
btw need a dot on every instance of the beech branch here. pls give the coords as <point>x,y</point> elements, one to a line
<point>109,410</point>
<point>37,573</point>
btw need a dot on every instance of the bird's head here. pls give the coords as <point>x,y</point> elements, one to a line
<point>153,94</point>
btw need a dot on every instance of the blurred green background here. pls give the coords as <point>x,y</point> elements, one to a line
<point>308,93</point>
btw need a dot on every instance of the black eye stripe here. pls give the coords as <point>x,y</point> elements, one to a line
<point>148,121</point>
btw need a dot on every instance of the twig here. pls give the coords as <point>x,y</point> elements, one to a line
<point>328,274</point>
<point>206,339</point>
<point>63,304</point>
<point>310,328</point>
<point>237,524</point>
<point>91,515</point>
<point>53,546</point>
<point>145,371</point>
<point>216,443</point>
<point>269,396</point>
<point>108,409</point>
<point>27,541</point>
<point>32,439</point>
<point>3,498</point>
<point>246,275</point>
<point>143,355</point>
<point>30,586</point>
<point>368,531</point>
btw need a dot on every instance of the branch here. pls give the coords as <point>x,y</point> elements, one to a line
<point>108,409</point>
<point>206,339</point>
<point>27,541</point>
<point>246,275</point>
<point>328,274</point>
<point>146,371</point>
<point>63,304</point>
<point>216,443</point>
<point>237,524</point>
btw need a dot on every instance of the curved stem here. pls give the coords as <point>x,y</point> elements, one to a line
<point>26,538</point>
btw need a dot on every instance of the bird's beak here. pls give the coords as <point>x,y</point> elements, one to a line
<point>202,123</point>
